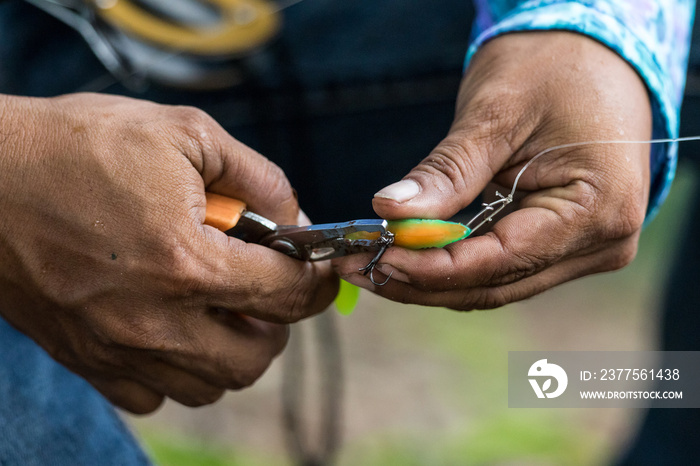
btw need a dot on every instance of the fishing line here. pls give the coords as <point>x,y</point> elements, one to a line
<point>587,143</point>
<point>493,208</point>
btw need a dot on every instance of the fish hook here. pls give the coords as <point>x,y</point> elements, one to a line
<point>385,240</point>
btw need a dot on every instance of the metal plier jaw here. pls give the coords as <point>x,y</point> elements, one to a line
<point>313,242</point>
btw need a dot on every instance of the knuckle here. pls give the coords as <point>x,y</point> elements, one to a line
<point>129,396</point>
<point>622,256</point>
<point>483,298</point>
<point>196,126</point>
<point>200,397</point>
<point>186,271</point>
<point>582,210</point>
<point>578,213</point>
<point>517,265</point>
<point>116,333</point>
<point>248,365</point>
<point>295,307</point>
<point>193,120</point>
<point>278,194</point>
<point>492,118</point>
<point>525,266</point>
<point>454,158</point>
<point>492,121</point>
<point>630,219</point>
<point>277,339</point>
<point>247,376</point>
<point>494,298</point>
<point>298,301</point>
<point>140,406</point>
<point>274,196</point>
<point>279,182</point>
<point>89,351</point>
<point>135,331</point>
<point>620,219</point>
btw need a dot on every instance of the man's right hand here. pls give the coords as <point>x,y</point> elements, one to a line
<point>105,261</point>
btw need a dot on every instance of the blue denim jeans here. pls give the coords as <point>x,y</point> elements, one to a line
<point>349,98</point>
<point>49,416</point>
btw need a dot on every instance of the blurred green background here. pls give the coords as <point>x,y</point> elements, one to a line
<point>426,386</point>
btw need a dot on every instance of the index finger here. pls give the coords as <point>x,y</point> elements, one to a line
<point>231,168</point>
<point>264,283</point>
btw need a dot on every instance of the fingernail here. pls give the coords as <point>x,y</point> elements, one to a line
<point>401,191</point>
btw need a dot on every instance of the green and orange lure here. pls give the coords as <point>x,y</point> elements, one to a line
<point>418,233</point>
<point>411,233</point>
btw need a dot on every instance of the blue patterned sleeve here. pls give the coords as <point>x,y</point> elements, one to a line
<point>652,35</point>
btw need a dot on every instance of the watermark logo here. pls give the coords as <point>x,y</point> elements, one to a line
<point>603,379</point>
<point>542,370</point>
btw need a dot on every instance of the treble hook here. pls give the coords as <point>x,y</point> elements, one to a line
<point>385,240</point>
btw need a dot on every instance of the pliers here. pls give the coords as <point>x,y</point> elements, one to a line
<point>309,243</point>
<point>330,240</point>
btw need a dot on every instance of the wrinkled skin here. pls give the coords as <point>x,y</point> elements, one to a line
<point>584,207</point>
<point>105,261</point>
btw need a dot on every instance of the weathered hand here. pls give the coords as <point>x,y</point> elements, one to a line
<point>105,261</point>
<point>584,206</point>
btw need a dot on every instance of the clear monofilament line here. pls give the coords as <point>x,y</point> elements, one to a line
<point>587,143</point>
<point>497,206</point>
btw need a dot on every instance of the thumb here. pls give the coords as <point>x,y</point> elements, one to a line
<point>446,181</point>
<point>231,168</point>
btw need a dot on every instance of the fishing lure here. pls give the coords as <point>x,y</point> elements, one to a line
<point>419,233</point>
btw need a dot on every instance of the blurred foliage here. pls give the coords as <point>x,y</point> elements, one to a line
<point>534,438</point>
<point>167,448</point>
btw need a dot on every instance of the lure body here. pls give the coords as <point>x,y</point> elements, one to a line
<point>420,233</point>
